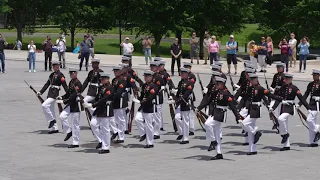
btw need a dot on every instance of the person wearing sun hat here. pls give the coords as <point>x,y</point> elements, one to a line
<point>127,49</point>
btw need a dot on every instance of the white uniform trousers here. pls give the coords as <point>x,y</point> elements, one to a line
<point>158,119</point>
<point>191,123</point>
<point>140,123</point>
<point>102,133</point>
<point>283,126</point>
<point>88,99</point>
<point>120,120</point>
<point>144,123</point>
<point>244,113</point>
<point>249,124</point>
<point>213,132</point>
<point>75,118</point>
<point>312,125</point>
<point>183,119</point>
<point>49,113</point>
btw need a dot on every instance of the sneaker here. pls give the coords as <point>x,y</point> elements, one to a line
<point>4,72</point>
<point>29,70</point>
<point>34,71</point>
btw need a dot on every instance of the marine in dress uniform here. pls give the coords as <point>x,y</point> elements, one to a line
<point>158,80</point>
<point>243,76</point>
<point>120,103</point>
<point>257,94</point>
<point>103,114</point>
<point>313,89</point>
<point>93,80</point>
<point>145,115</point>
<point>220,98</point>
<point>126,60</point>
<point>167,81</point>
<point>56,79</point>
<point>72,100</point>
<point>217,67</point>
<point>288,92</point>
<point>277,82</point>
<point>181,99</point>
<point>192,78</point>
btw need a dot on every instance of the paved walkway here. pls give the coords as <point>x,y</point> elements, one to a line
<point>139,63</point>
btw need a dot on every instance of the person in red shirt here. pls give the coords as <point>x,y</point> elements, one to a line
<point>284,48</point>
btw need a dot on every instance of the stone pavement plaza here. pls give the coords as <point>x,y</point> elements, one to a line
<point>27,152</point>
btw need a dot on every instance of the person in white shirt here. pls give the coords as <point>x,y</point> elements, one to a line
<point>61,47</point>
<point>127,49</point>
<point>206,42</point>
<point>32,56</point>
<point>293,47</point>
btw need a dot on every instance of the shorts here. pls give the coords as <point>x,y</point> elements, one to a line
<point>233,58</point>
<point>193,54</point>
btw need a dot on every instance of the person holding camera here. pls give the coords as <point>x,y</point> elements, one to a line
<point>61,47</point>
<point>84,51</point>
<point>284,49</point>
<point>32,56</point>
<point>303,53</point>
<point>91,43</point>
<point>127,49</point>
<point>47,47</point>
<point>147,43</point>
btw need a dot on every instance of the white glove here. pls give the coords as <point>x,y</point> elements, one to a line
<point>310,112</point>
<point>317,98</point>
<point>87,105</point>
<point>163,87</point>
<point>270,109</point>
<point>196,110</point>
<point>59,101</point>
<point>174,91</point>
<point>135,100</point>
<point>39,93</point>
<point>59,98</point>
<point>297,106</point>
<point>205,90</point>
<point>285,102</point>
<point>240,121</point>
<point>239,99</point>
<point>171,102</point>
<point>271,89</point>
<point>170,98</point>
<point>236,86</point>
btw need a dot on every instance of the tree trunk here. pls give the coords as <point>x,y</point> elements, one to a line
<point>157,38</point>
<point>72,32</point>
<point>201,36</point>
<point>19,31</point>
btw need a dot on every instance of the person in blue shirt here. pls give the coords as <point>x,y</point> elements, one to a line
<point>303,53</point>
<point>262,54</point>
<point>231,47</point>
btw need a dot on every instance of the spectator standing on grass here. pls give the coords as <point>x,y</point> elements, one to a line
<point>270,51</point>
<point>206,42</point>
<point>213,49</point>
<point>262,54</point>
<point>3,45</point>
<point>61,49</point>
<point>253,48</point>
<point>84,51</point>
<point>175,51</point>
<point>293,49</point>
<point>47,47</point>
<point>91,40</point>
<point>146,44</point>
<point>284,49</point>
<point>127,49</point>
<point>32,56</point>
<point>303,53</point>
<point>194,45</point>
<point>18,45</point>
<point>231,47</point>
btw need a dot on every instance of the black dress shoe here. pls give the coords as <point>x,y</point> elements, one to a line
<point>285,138</point>
<point>179,137</point>
<point>104,151</point>
<point>142,138</point>
<point>51,124</point>
<point>242,132</point>
<point>126,132</point>
<point>245,134</point>
<point>245,144</point>
<point>156,137</point>
<point>114,136</point>
<point>53,132</point>
<point>119,141</point>
<point>99,146</point>
<point>313,145</point>
<point>217,157</point>
<point>316,137</point>
<point>257,137</point>
<point>68,136</point>
<point>73,146</point>
<point>161,129</point>
<point>184,142</point>
<point>149,146</point>
<point>285,149</point>
<point>212,145</point>
<point>274,127</point>
<point>191,133</point>
<point>252,153</point>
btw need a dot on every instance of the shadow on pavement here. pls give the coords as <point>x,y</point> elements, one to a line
<point>235,152</point>
<point>90,145</point>
<point>84,128</point>
<point>233,134</point>
<point>200,147</point>
<point>170,133</point>
<point>170,142</point>
<point>40,132</point>
<point>269,131</point>
<point>59,145</point>
<point>300,144</point>
<point>234,143</point>
<point>205,158</point>
<point>134,146</point>
<point>233,127</point>
<point>88,151</point>
<point>199,137</point>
